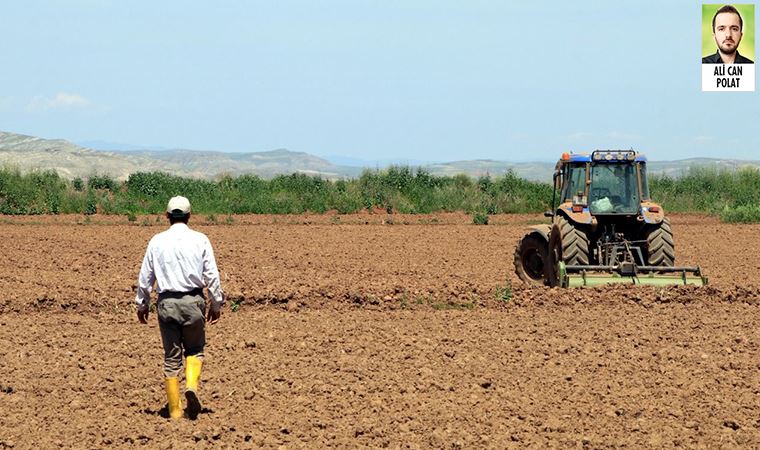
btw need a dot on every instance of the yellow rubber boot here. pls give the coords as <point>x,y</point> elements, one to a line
<point>172,397</point>
<point>192,377</point>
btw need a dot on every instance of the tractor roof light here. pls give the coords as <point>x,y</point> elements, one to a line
<point>565,156</point>
<point>613,155</point>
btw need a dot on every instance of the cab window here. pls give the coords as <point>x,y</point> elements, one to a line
<point>614,189</point>
<point>644,182</point>
<point>576,176</point>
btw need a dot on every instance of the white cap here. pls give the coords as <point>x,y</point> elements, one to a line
<point>178,206</point>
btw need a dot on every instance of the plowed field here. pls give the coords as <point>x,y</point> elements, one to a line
<point>377,331</point>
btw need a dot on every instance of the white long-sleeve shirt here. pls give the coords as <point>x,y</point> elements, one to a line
<point>179,260</point>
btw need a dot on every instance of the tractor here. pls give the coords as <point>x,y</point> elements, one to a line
<point>605,228</point>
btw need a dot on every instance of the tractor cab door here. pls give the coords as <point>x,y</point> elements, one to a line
<point>644,181</point>
<point>574,185</point>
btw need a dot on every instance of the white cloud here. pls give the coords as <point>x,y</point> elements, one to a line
<point>703,139</point>
<point>62,100</point>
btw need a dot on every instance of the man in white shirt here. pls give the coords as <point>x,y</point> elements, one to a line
<point>181,263</point>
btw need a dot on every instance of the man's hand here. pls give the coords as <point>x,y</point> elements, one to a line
<point>142,315</point>
<point>213,315</point>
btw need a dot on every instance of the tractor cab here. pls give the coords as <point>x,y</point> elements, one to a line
<point>605,183</point>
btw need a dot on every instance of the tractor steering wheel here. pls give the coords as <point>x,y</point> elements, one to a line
<point>598,193</point>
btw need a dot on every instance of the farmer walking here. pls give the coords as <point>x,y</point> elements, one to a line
<point>181,262</point>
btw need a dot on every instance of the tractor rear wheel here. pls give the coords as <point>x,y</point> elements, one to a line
<point>567,244</point>
<point>530,257</point>
<point>660,246</point>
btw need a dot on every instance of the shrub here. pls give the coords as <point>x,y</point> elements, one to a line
<point>91,203</point>
<point>741,214</point>
<point>101,182</point>
<point>480,219</point>
<point>38,192</point>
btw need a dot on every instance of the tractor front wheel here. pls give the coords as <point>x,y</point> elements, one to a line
<point>567,244</point>
<point>530,258</point>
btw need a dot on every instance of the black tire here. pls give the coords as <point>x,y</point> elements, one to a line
<point>660,245</point>
<point>530,258</point>
<point>568,244</point>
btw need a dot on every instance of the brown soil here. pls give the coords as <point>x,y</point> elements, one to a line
<point>378,330</point>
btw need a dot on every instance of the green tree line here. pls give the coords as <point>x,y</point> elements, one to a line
<point>734,195</point>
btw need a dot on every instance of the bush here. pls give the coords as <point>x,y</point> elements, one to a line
<point>480,219</point>
<point>101,182</point>
<point>91,203</point>
<point>77,184</point>
<point>741,214</point>
<point>38,192</point>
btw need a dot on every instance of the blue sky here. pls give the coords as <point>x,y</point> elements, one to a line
<point>420,80</point>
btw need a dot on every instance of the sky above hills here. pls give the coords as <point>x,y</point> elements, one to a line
<point>436,80</point>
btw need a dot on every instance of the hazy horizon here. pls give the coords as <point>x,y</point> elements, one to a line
<point>349,161</point>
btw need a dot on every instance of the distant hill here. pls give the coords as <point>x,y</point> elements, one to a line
<point>681,167</point>
<point>207,164</point>
<point>542,171</point>
<point>71,160</point>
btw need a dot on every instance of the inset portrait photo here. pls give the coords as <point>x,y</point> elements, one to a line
<point>728,34</point>
<point>728,47</point>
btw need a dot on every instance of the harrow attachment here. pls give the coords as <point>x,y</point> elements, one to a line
<point>628,273</point>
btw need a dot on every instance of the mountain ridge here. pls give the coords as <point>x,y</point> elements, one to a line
<point>71,160</point>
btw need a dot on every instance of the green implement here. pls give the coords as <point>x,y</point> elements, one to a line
<point>626,273</point>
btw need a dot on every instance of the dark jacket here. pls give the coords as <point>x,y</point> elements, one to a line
<point>715,59</point>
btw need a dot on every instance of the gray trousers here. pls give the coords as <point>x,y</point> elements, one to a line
<point>182,323</point>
